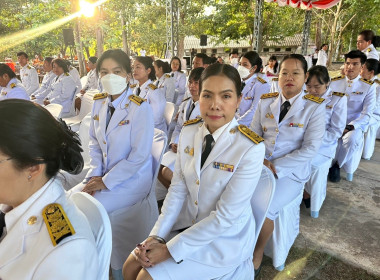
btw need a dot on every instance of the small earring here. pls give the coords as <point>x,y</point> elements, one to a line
<point>29,177</point>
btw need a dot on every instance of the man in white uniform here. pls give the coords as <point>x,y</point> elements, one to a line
<point>360,105</point>
<point>322,55</point>
<point>40,94</point>
<point>28,74</point>
<point>367,43</point>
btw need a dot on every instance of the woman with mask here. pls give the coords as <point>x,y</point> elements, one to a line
<point>254,85</point>
<point>121,135</point>
<point>144,74</point>
<point>164,80</point>
<point>317,84</point>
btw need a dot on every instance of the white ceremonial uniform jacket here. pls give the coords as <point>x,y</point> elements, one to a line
<point>62,92</point>
<point>44,90</point>
<point>92,80</point>
<point>182,117</point>
<point>167,83</point>
<point>214,202</point>
<point>156,98</point>
<point>180,85</point>
<point>291,144</point>
<point>14,89</point>
<point>361,99</point>
<point>29,78</point>
<point>322,58</point>
<point>121,152</point>
<point>27,251</point>
<point>376,111</point>
<point>371,52</point>
<point>255,86</point>
<point>336,116</point>
<point>76,77</point>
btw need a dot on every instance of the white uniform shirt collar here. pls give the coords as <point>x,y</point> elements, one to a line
<point>291,100</point>
<point>327,94</point>
<point>250,79</point>
<point>144,85</point>
<point>25,67</point>
<point>352,81</point>
<point>13,215</point>
<point>216,133</point>
<point>118,100</point>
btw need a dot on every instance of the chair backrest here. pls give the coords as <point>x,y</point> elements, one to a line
<point>169,111</point>
<point>83,81</point>
<point>101,228</point>
<point>158,149</point>
<point>87,102</point>
<point>262,197</point>
<point>54,109</point>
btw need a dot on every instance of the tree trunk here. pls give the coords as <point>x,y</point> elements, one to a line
<point>124,35</point>
<point>318,32</point>
<point>99,35</point>
<point>79,47</point>
<point>332,35</point>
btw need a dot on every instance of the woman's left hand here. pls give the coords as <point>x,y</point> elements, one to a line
<point>157,253</point>
<point>95,184</point>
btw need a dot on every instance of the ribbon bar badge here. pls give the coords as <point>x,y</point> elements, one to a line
<point>223,166</point>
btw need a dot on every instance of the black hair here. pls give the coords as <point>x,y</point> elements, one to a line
<point>254,59</point>
<point>203,56</point>
<point>320,72</point>
<point>212,60</point>
<point>369,35</point>
<point>93,59</point>
<point>31,136</point>
<point>298,57</point>
<point>324,45</point>
<point>148,64</point>
<point>356,54</point>
<point>274,58</point>
<point>5,69</point>
<point>23,53</point>
<point>117,55</point>
<point>195,74</point>
<point>49,59</point>
<point>61,63</point>
<point>233,52</point>
<point>226,70</point>
<point>373,65</point>
<point>164,65</point>
<point>180,63</point>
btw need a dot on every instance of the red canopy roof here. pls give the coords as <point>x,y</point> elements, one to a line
<point>306,4</point>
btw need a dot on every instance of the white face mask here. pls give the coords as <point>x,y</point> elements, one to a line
<point>234,61</point>
<point>243,72</point>
<point>114,84</point>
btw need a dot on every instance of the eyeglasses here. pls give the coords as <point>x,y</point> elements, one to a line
<point>1,161</point>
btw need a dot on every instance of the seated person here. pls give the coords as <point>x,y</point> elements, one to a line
<point>207,211</point>
<point>10,86</point>
<point>188,110</point>
<point>45,235</point>
<point>40,94</point>
<point>92,81</point>
<point>63,88</point>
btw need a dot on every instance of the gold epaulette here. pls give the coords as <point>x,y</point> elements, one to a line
<point>255,138</point>
<point>377,82</point>
<point>167,76</point>
<point>132,86</point>
<point>275,79</point>
<point>100,95</point>
<point>57,223</point>
<point>366,81</point>
<point>269,95</point>
<point>338,78</point>
<point>261,80</point>
<point>340,94</point>
<point>29,67</point>
<point>13,85</point>
<point>193,121</point>
<point>152,86</point>
<point>136,99</point>
<point>67,74</point>
<point>313,98</point>
<point>369,50</point>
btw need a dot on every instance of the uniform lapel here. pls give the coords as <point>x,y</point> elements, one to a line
<point>275,108</point>
<point>119,114</point>
<point>198,150</point>
<point>103,116</point>
<point>297,106</point>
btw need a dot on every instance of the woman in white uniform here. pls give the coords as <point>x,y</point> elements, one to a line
<point>367,42</point>
<point>208,205</point>
<point>317,84</point>
<point>121,135</point>
<point>180,78</point>
<point>292,124</point>
<point>164,79</point>
<point>144,74</point>
<point>43,235</point>
<point>254,84</point>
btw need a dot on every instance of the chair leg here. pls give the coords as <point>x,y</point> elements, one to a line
<point>349,177</point>
<point>280,268</point>
<point>314,214</point>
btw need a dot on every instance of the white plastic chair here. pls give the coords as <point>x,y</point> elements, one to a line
<point>139,219</point>
<point>261,198</point>
<point>72,108</point>
<point>101,228</point>
<point>69,180</point>
<point>54,109</point>
<point>169,112</point>
<point>286,229</point>
<point>86,107</point>
<point>370,140</point>
<point>351,165</point>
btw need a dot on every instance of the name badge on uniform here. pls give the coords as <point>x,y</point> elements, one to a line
<point>329,107</point>
<point>300,125</point>
<point>357,92</point>
<point>248,98</point>
<point>269,116</point>
<point>223,166</point>
<point>123,122</point>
